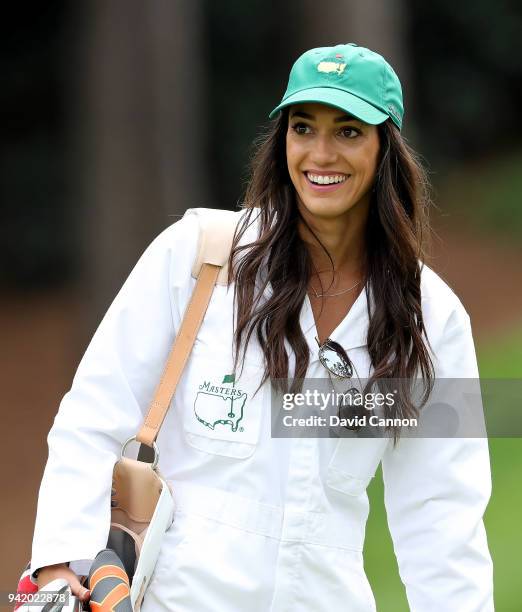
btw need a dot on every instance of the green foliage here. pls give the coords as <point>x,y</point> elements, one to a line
<point>379,558</point>
<point>503,357</point>
<point>503,523</point>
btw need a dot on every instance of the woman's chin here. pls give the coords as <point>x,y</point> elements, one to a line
<point>326,208</point>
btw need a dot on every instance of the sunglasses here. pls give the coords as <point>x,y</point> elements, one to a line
<point>335,360</point>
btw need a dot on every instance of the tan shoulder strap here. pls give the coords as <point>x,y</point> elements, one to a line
<point>216,231</point>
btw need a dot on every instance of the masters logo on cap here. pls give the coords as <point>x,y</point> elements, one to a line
<point>331,67</point>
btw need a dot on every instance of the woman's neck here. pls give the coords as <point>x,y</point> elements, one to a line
<point>343,238</point>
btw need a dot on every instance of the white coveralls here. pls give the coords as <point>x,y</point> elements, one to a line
<point>261,524</point>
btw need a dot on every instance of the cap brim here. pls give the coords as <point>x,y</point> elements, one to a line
<point>339,99</point>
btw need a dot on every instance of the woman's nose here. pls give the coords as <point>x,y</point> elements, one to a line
<point>323,151</point>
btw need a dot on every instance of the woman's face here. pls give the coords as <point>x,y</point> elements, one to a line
<point>332,159</point>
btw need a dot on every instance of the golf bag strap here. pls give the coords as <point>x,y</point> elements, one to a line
<point>216,232</point>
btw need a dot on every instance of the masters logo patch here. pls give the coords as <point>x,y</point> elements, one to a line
<point>220,405</point>
<point>327,67</point>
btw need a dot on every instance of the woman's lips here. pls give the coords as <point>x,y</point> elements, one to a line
<point>325,188</point>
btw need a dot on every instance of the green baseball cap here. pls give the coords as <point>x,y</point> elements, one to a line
<point>352,78</point>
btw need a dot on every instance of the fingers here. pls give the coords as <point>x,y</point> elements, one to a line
<point>77,589</point>
<point>52,572</point>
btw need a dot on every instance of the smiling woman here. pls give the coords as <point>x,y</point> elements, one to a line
<point>329,284</point>
<point>327,151</point>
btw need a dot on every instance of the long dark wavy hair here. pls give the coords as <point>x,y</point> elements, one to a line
<point>396,232</point>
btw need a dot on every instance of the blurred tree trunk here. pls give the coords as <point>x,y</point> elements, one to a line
<point>143,133</point>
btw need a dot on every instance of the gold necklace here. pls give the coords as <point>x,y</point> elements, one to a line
<point>318,295</point>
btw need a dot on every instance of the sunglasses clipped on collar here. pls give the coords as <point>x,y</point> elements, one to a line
<point>335,360</point>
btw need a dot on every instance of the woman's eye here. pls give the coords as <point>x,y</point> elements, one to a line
<point>346,131</point>
<point>300,128</point>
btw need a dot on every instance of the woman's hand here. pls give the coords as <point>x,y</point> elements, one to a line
<point>52,572</point>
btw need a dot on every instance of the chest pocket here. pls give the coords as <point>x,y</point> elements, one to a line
<point>221,413</point>
<point>354,463</point>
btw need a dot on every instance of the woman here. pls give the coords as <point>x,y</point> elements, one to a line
<point>328,281</point>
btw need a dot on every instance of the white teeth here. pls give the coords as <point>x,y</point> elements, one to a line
<point>326,180</point>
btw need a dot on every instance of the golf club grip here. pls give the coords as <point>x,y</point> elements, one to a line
<point>109,584</point>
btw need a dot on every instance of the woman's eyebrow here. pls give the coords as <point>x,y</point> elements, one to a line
<point>301,114</point>
<point>339,119</point>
